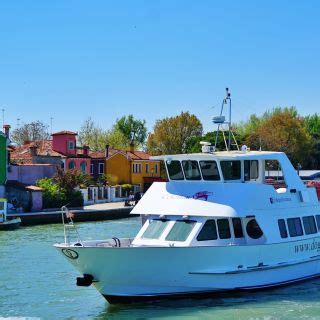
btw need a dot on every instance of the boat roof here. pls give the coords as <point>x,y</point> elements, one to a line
<point>223,155</point>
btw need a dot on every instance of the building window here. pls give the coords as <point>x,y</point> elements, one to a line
<point>224,229</point>
<point>156,168</point>
<point>208,231</point>
<point>136,168</point>
<point>71,165</point>
<point>309,225</point>
<point>282,228</point>
<point>83,167</point>
<point>91,168</point>
<point>101,168</point>
<point>147,168</point>
<point>295,227</point>
<point>71,145</point>
<point>253,229</point>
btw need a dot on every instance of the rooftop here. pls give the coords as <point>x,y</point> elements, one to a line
<point>64,132</point>
<point>222,155</point>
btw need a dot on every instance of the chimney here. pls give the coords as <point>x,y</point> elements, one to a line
<point>107,151</point>
<point>6,129</point>
<point>85,150</point>
<point>131,147</point>
<point>33,150</point>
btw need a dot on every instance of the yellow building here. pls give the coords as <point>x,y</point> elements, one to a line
<point>132,167</point>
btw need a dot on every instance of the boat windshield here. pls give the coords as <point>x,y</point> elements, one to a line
<point>175,170</point>
<point>180,230</point>
<point>191,170</point>
<point>231,169</point>
<point>155,229</point>
<point>209,170</point>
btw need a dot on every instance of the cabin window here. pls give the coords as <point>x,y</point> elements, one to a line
<point>309,225</point>
<point>237,228</point>
<point>224,229</point>
<point>1,205</point>
<point>209,170</point>
<point>282,228</point>
<point>208,231</point>
<point>318,221</point>
<point>273,174</point>
<point>191,170</point>
<point>295,227</point>
<point>253,229</point>
<point>180,230</point>
<point>251,170</point>
<point>175,170</point>
<point>231,170</point>
<point>155,229</point>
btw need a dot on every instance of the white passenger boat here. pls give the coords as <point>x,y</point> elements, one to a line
<point>219,224</point>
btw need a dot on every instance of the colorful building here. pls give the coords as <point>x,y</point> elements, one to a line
<point>132,167</point>
<point>61,151</point>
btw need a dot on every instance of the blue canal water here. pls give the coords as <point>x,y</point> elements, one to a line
<point>37,282</point>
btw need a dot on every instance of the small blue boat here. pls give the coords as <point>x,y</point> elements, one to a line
<point>7,224</point>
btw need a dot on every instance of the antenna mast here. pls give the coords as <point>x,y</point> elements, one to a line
<point>221,120</point>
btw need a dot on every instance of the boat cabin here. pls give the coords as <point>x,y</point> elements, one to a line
<point>227,198</point>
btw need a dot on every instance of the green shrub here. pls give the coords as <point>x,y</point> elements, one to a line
<point>56,197</point>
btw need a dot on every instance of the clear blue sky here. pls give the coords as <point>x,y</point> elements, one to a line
<point>104,59</point>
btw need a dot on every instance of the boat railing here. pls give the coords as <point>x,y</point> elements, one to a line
<point>108,243</point>
<point>69,228</point>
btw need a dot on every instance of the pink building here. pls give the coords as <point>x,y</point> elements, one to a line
<point>65,143</point>
<point>61,151</point>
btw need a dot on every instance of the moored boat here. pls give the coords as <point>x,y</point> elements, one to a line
<point>5,223</point>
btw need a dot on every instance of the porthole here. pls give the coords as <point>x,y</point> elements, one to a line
<point>253,229</point>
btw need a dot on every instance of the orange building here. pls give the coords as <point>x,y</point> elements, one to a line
<point>132,167</point>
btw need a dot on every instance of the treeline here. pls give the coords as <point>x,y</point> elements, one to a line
<point>279,129</point>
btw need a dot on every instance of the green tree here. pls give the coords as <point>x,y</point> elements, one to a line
<point>116,139</point>
<point>53,196</point>
<point>33,131</point>
<point>133,130</point>
<point>172,135</point>
<point>93,136</point>
<point>312,125</point>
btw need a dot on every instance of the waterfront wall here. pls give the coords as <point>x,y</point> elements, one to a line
<point>30,173</point>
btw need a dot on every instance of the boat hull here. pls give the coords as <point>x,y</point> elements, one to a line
<point>147,273</point>
<point>11,224</point>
